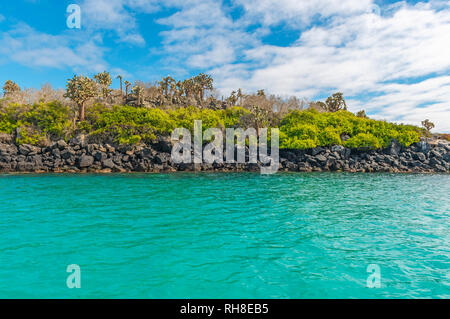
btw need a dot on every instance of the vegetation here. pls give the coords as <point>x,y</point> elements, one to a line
<point>80,89</point>
<point>428,125</point>
<point>104,80</point>
<point>10,88</point>
<point>307,129</point>
<point>145,111</point>
<point>38,123</point>
<point>361,113</point>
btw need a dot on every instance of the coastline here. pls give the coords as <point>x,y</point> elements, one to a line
<point>79,156</point>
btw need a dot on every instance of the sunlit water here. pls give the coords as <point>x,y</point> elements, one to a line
<point>225,235</point>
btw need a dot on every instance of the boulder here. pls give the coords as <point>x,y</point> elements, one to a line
<point>159,159</point>
<point>446,157</point>
<point>108,163</point>
<point>424,146</point>
<point>26,149</point>
<point>420,156</point>
<point>100,156</point>
<point>67,153</point>
<point>24,166</point>
<point>434,155</point>
<point>56,153</point>
<point>163,144</point>
<point>317,150</point>
<point>117,159</point>
<point>337,148</point>
<point>79,140</point>
<point>86,161</point>
<point>110,149</point>
<point>61,144</point>
<point>321,159</point>
<point>394,148</point>
<point>91,148</point>
<point>6,138</point>
<point>9,149</point>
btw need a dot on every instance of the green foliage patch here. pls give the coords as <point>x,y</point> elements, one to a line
<point>307,129</point>
<point>129,125</point>
<point>36,122</point>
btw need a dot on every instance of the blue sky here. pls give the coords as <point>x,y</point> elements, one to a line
<point>390,58</point>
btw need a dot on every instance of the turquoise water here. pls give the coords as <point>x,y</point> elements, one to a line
<point>225,235</point>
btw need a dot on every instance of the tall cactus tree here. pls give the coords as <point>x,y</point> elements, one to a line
<point>232,100</point>
<point>203,82</point>
<point>179,89</point>
<point>138,92</point>
<point>104,79</point>
<point>80,89</point>
<point>188,86</point>
<point>166,84</point>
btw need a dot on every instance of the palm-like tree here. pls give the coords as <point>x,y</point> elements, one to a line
<point>127,86</point>
<point>239,96</point>
<point>120,78</point>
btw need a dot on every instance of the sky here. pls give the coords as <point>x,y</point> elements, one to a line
<point>390,58</point>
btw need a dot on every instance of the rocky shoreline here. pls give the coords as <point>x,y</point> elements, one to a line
<point>79,156</point>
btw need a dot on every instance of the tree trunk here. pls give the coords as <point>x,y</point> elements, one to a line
<point>81,112</point>
<point>121,91</point>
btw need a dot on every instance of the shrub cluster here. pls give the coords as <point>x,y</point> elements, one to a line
<point>40,122</point>
<point>308,129</point>
<point>34,124</point>
<point>130,125</point>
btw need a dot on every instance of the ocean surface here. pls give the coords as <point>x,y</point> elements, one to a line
<point>237,235</point>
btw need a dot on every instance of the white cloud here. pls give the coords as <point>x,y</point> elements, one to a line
<point>357,55</point>
<point>395,65</point>
<point>117,16</point>
<point>412,103</point>
<point>299,12</point>
<point>24,45</point>
<point>203,35</point>
<point>352,50</point>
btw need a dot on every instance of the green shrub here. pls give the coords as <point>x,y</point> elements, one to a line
<point>329,136</point>
<point>31,136</point>
<point>36,121</point>
<point>363,140</point>
<point>130,125</point>
<point>325,129</point>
